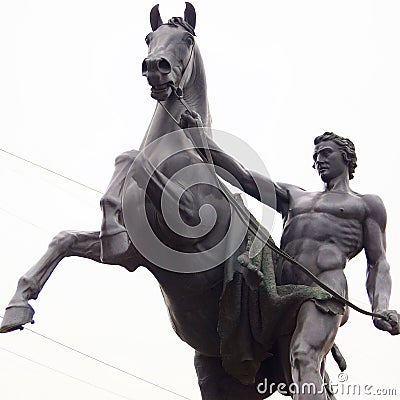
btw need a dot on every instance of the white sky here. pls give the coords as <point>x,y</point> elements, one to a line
<point>72,98</point>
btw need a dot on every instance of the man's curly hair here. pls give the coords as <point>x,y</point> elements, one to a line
<point>346,147</point>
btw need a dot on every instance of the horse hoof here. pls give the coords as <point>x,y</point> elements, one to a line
<point>15,317</point>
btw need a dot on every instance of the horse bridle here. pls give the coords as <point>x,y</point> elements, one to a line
<point>257,230</point>
<point>178,90</point>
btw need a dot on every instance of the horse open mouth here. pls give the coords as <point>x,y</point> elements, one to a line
<point>161,92</point>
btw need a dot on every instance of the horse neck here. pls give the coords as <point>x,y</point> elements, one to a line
<point>195,96</point>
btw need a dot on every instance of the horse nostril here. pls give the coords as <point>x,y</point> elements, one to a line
<point>144,67</point>
<point>164,66</point>
<point>156,66</point>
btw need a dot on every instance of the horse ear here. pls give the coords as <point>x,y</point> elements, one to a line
<point>155,18</point>
<point>190,15</point>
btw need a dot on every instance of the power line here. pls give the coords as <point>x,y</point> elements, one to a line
<point>53,340</point>
<point>103,362</point>
<point>51,171</point>
<point>65,374</point>
<point>22,219</point>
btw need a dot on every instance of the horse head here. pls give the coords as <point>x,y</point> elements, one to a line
<point>171,47</point>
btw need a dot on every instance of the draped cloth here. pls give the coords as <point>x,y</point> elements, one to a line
<point>254,311</point>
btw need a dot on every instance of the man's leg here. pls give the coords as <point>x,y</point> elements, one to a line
<point>114,238</point>
<point>312,339</point>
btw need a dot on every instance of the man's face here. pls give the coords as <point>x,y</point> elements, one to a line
<point>328,161</point>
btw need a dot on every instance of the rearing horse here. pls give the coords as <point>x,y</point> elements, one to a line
<point>201,249</point>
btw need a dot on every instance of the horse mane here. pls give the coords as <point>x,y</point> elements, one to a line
<point>179,21</point>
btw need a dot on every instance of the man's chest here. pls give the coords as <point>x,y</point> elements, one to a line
<point>336,204</point>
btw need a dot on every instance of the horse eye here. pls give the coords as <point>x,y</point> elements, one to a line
<point>189,40</point>
<point>148,38</point>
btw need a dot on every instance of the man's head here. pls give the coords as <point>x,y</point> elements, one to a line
<point>334,143</point>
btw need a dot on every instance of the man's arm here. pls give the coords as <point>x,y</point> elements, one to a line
<point>251,182</point>
<point>379,283</point>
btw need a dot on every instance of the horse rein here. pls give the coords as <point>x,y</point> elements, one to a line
<point>178,91</point>
<point>257,231</point>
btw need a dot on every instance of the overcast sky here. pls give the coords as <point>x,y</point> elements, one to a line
<point>72,98</point>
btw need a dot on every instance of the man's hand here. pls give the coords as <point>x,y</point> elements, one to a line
<point>190,120</point>
<point>391,325</point>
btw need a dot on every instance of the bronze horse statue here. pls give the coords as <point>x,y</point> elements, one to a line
<point>209,297</point>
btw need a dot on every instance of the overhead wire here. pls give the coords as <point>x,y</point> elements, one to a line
<point>65,374</point>
<point>80,183</point>
<point>56,341</point>
<point>53,340</point>
<point>103,362</point>
<point>24,220</point>
<point>50,170</point>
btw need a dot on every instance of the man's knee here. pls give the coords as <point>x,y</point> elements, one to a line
<point>304,357</point>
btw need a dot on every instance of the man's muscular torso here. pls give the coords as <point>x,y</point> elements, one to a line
<point>322,230</point>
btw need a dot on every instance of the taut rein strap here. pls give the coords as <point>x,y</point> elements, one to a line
<point>259,231</point>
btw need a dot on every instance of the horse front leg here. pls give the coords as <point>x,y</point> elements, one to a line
<point>65,244</point>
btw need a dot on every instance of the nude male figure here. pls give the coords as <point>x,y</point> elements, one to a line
<point>322,230</point>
